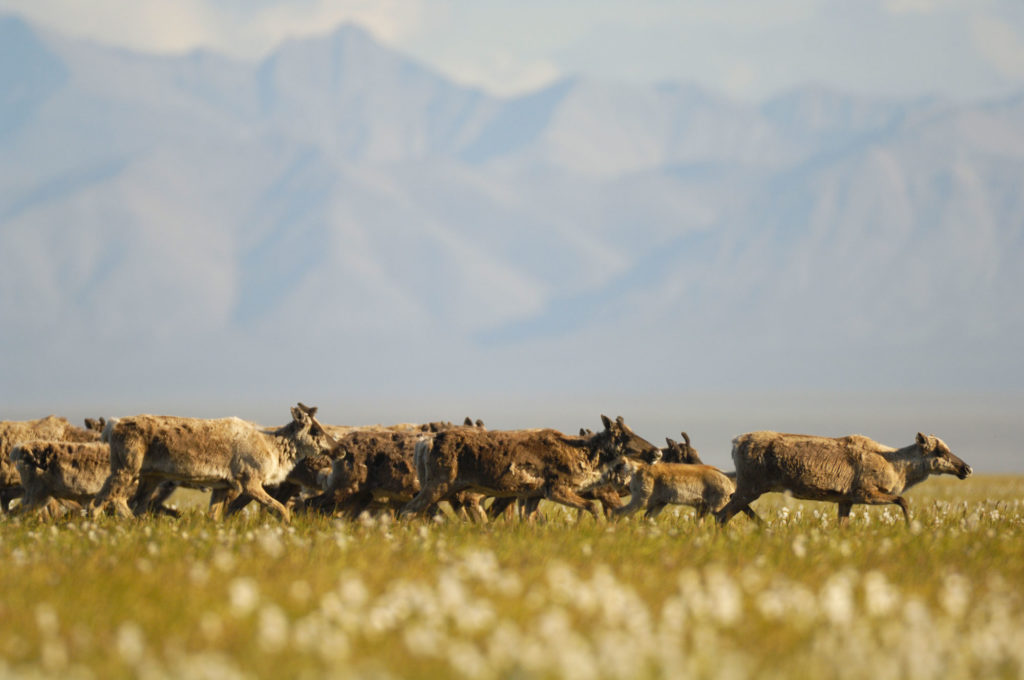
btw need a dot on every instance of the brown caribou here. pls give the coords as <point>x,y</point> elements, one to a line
<point>228,455</point>
<point>842,470</point>
<point>14,432</point>
<point>521,464</point>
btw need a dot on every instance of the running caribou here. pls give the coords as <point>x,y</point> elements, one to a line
<point>228,455</point>
<point>53,428</point>
<point>843,470</point>
<point>521,463</point>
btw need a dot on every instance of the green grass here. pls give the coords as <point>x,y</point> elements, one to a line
<point>799,598</point>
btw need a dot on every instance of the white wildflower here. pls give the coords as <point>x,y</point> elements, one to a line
<point>243,595</point>
<point>725,598</point>
<point>46,620</point>
<point>352,591</point>
<point>224,560</point>
<point>383,617</point>
<point>955,595</point>
<point>466,659</point>
<point>422,640</point>
<point>479,564</point>
<point>198,573</point>
<point>271,544</point>
<point>562,582</point>
<point>450,591</point>
<point>505,645</point>
<point>917,615</point>
<point>130,642</point>
<point>273,628</point>
<point>333,646</point>
<point>880,598</point>
<point>771,604</point>
<point>54,655</point>
<point>837,599</point>
<point>476,616</point>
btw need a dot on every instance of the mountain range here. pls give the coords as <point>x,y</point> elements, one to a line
<point>339,219</point>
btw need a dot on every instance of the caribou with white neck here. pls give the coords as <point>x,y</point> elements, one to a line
<point>843,470</point>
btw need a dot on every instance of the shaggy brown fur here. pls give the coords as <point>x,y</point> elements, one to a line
<point>652,487</point>
<point>72,471</point>
<point>610,493</point>
<point>229,455</point>
<point>522,464</point>
<point>352,482</point>
<point>372,466</point>
<point>844,470</point>
<point>14,432</point>
<point>379,467</point>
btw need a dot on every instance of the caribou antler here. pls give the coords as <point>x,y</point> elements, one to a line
<point>308,410</point>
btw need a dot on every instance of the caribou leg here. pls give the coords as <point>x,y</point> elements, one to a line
<point>738,503</point>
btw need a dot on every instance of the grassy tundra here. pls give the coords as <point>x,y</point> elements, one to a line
<point>796,598</point>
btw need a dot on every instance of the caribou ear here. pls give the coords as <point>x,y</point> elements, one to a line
<point>480,423</point>
<point>606,421</point>
<point>620,421</point>
<point>468,422</point>
<point>686,438</point>
<point>922,441</point>
<point>297,414</point>
<point>671,442</point>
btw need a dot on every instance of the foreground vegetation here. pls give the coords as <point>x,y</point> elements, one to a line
<point>799,598</point>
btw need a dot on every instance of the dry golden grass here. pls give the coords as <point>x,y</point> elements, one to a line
<point>797,599</point>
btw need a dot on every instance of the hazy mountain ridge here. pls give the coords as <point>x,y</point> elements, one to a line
<point>338,197</point>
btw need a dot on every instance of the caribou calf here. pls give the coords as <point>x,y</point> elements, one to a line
<point>653,486</point>
<point>72,472</point>
<point>13,432</point>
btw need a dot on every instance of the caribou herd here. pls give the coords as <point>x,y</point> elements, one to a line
<point>131,465</point>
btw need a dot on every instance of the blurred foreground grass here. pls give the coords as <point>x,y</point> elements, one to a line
<point>799,598</point>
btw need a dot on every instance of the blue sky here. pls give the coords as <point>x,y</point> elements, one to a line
<point>746,48</point>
